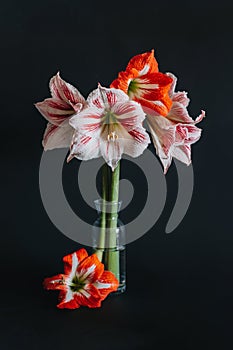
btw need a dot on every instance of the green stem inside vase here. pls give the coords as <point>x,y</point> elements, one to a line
<point>102,237</point>
<point>113,253</point>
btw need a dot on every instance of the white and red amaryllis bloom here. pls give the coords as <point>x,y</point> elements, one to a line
<point>66,100</point>
<point>174,133</point>
<point>143,82</point>
<point>109,126</point>
<point>84,282</point>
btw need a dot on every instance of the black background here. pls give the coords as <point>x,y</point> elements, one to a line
<point>180,286</point>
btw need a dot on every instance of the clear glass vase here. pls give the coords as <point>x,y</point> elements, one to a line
<point>108,234</point>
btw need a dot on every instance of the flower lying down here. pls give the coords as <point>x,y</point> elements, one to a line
<point>84,281</point>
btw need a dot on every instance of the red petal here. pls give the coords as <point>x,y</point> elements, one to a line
<point>70,304</point>
<point>142,61</point>
<point>74,258</point>
<point>89,296</point>
<point>106,284</point>
<point>90,269</point>
<point>55,282</point>
<point>123,80</point>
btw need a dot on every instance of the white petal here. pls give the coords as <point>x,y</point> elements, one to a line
<point>64,91</point>
<point>57,136</point>
<point>88,121</point>
<point>106,98</point>
<point>84,147</point>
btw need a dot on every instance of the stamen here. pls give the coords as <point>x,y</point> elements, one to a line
<point>112,136</point>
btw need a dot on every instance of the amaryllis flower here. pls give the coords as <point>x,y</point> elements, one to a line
<point>145,84</point>
<point>109,126</point>
<point>84,282</point>
<point>66,100</point>
<point>174,133</point>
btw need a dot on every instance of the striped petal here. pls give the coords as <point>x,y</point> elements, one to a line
<point>55,282</point>
<point>182,153</point>
<point>84,147</point>
<point>64,91</point>
<point>55,111</point>
<point>57,136</point>
<point>103,98</point>
<point>129,114</point>
<point>132,143</point>
<point>88,121</point>
<point>67,300</point>
<point>144,63</point>
<point>110,125</point>
<point>106,284</point>
<point>89,296</point>
<point>144,84</point>
<point>163,136</point>
<point>138,65</point>
<point>179,113</point>
<point>71,261</point>
<point>90,269</point>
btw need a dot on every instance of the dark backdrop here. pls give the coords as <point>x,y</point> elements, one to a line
<point>180,289</point>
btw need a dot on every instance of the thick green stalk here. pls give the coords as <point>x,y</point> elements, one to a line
<point>101,245</point>
<point>113,255</point>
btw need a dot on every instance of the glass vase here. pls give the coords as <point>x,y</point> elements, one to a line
<point>108,233</point>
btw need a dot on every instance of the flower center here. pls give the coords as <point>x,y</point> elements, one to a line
<point>109,125</point>
<point>76,284</point>
<point>132,88</point>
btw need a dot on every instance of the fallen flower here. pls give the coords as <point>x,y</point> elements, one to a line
<point>84,282</point>
<point>66,100</point>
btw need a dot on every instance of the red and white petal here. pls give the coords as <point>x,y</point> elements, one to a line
<point>57,136</point>
<point>65,91</point>
<point>54,110</point>
<point>182,153</point>
<point>71,261</point>
<point>84,147</point>
<point>88,121</point>
<point>200,117</point>
<point>173,84</point>
<point>55,282</point>
<point>144,63</point>
<point>124,79</point>
<point>111,151</point>
<point>106,284</point>
<point>137,143</point>
<point>90,269</point>
<point>89,296</point>
<point>103,98</point>
<point>151,91</point>
<point>179,114</point>
<point>133,143</point>
<point>181,97</point>
<point>67,300</point>
<point>163,136</point>
<point>129,114</point>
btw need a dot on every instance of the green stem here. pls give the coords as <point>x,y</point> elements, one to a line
<point>101,245</point>
<point>113,255</point>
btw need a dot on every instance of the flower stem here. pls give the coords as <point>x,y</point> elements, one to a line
<point>101,245</point>
<point>113,255</point>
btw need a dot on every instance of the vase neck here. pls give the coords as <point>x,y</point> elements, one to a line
<point>103,206</point>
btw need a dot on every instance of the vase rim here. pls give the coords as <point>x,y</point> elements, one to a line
<point>100,201</point>
<point>107,206</point>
